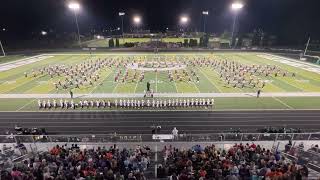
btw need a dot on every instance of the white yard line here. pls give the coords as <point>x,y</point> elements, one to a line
<point>210,80</point>
<point>22,62</point>
<point>135,88</point>
<point>25,105</point>
<point>157,81</point>
<point>175,86</point>
<point>291,62</point>
<point>283,103</point>
<point>196,86</point>
<point>114,89</point>
<point>100,82</point>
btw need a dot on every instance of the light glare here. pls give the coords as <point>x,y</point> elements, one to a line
<point>74,6</point>
<point>205,12</point>
<point>236,6</point>
<point>184,19</point>
<point>136,19</point>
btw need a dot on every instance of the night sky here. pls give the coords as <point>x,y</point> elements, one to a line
<point>291,20</point>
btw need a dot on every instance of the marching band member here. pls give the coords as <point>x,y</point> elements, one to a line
<point>54,103</point>
<point>48,104</point>
<point>61,103</point>
<point>39,104</point>
<point>97,104</point>
<point>116,103</point>
<point>108,103</point>
<point>44,104</point>
<point>81,104</point>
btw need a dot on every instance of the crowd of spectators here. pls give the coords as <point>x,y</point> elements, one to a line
<point>240,162</point>
<point>71,163</point>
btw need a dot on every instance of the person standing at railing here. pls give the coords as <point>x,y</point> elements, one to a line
<point>175,133</point>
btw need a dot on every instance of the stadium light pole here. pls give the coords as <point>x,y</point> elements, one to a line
<point>205,14</point>
<point>121,14</point>
<point>184,20</point>
<point>136,21</point>
<point>235,7</point>
<point>75,7</point>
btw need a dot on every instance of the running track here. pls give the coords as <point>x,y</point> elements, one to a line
<point>131,122</point>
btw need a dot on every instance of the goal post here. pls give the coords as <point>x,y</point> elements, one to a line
<point>4,54</point>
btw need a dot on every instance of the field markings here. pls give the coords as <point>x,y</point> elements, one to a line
<point>196,86</point>
<point>114,89</point>
<point>210,80</point>
<point>175,85</point>
<point>283,103</point>
<point>100,82</point>
<point>156,81</point>
<point>282,65</point>
<point>135,89</point>
<point>27,104</point>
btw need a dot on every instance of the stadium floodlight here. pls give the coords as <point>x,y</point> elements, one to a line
<point>184,20</point>
<point>136,20</point>
<point>75,7</point>
<point>236,6</point>
<point>43,33</point>
<point>205,13</point>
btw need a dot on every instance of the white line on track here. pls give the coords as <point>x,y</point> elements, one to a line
<point>249,117</point>
<point>146,121</point>
<point>172,125</point>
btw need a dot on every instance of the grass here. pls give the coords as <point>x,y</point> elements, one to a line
<point>14,82</point>
<point>5,59</point>
<point>221,103</point>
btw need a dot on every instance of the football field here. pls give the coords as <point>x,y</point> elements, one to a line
<point>169,74</point>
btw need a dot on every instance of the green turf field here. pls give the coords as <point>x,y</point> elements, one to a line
<point>11,58</point>
<point>13,81</point>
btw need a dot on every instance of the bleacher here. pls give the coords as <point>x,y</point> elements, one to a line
<point>132,161</point>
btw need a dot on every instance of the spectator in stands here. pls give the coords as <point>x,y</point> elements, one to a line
<point>62,162</point>
<point>240,162</point>
<point>175,133</point>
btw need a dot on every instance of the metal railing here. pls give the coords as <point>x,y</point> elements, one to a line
<point>211,137</point>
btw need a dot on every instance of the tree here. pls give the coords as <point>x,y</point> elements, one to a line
<point>111,43</point>
<point>117,43</point>
<point>193,43</point>
<point>185,43</point>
